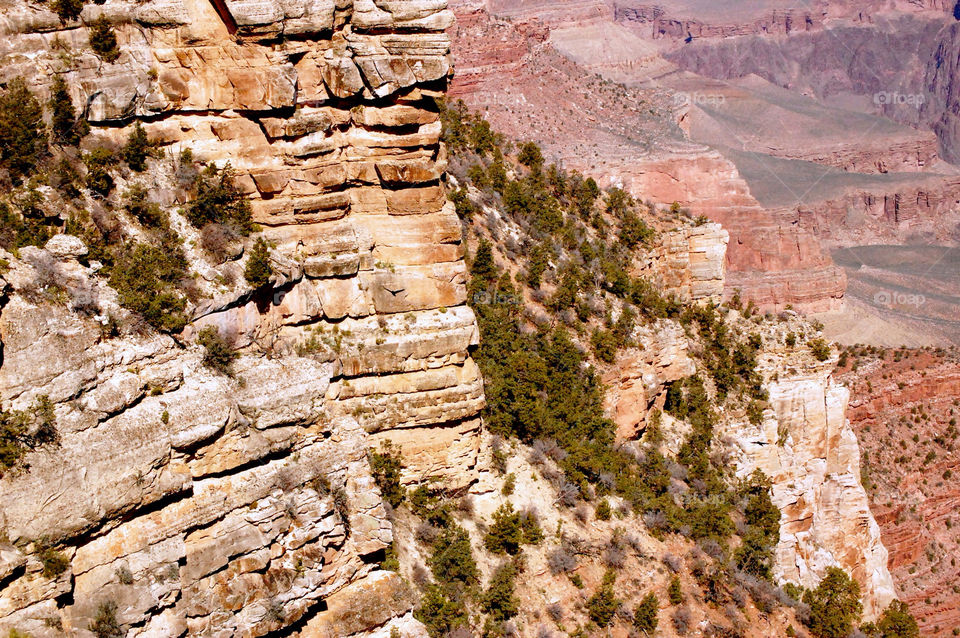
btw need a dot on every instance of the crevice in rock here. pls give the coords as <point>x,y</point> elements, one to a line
<point>228,20</point>
<point>319,607</point>
<point>12,576</point>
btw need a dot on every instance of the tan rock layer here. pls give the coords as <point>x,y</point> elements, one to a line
<point>208,505</point>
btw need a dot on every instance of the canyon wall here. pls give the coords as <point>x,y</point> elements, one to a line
<point>629,137</point>
<point>807,447</point>
<point>208,504</point>
<point>903,410</point>
<point>906,63</point>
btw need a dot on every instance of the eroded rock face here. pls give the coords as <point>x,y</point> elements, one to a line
<point>902,410</point>
<point>637,382</point>
<point>204,504</point>
<point>690,263</point>
<point>807,447</point>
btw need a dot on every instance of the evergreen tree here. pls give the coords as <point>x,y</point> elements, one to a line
<point>499,600</point>
<point>137,149</point>
<point>63,120</point>
<point>602,606</point>
<point>897,622</point>
<point>103,40</point>
<point>22,140</point>
<point>834,605</point>
<point>68,9</point>
<point>258,269</point>
<point>645,615</point>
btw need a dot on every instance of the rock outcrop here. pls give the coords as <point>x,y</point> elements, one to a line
<point>903,412</point>
<point>205,504</point>
<point>690,263</point>
<point>807,447</point>
<point>636,383</point>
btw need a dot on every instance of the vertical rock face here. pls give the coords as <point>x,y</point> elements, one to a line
<point>641,375</point>
<point>902,411</point>
<point>690,263</point>
<point>808,449</point>
<point>202,504</point>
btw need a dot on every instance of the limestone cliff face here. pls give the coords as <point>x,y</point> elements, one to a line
<point>807,447</point>
<point>690,263</point>
<point>200,503</point>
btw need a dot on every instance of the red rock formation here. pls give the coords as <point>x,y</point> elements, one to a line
<point>902,411</point>
<point>885,214</point>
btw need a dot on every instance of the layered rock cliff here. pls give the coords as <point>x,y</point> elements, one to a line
<point>208,504</point>
<point>903,410</point>
<point>806,445</point>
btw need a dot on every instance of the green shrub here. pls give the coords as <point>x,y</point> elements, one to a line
<point>258,270</point>
<point>505,535</point>
<point>755,412</point>
<point>754,555</point>
<point>834,605</point>
<point>219,201</point>
<point>709,520</point>
<point>482,138</point>
<point>451,559</point>
<point>634,231</point>
<point>819,348</point>
<point>103,40</point>
<point>98,162</point>
<point>137,149</point>
<point>604,345</point>
<point>17,231</point>
<point>602,606</point>
<point>603,511</point>
<point>499,600</point>
<point>65,127</point>
<point>793,591</point>
<point>54,562</point>
<point>509,483</point>
<point>537,265</point>
<point>390,562</point>
<point>618,202</point>
<point>25,430</point>
<point>217,354</point>
<point>439,613</point>
<point>675,592</point>
<point>22,138</point>
<point>66,179</point>
<point>105,624</point>
<point>465,208</point>
<point>645,614</point>
<point>532,532</point>
<point>68,9</point>
<point>760,510</point>
<point>530,156</point>
<point>144,211</point>
<point>386,466</point>
<point>146,279</point>
<point>897,622</point>
<point>429,504</point>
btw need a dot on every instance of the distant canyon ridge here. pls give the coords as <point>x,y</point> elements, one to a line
<point>804,128</point>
